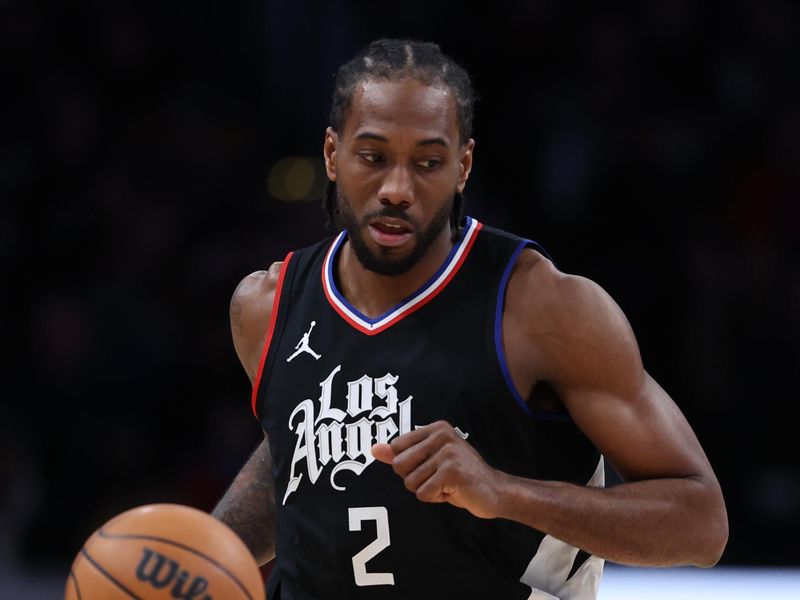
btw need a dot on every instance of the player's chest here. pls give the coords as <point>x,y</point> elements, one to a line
<point>392,382</point>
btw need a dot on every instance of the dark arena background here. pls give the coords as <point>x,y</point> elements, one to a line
<point>154,153</point>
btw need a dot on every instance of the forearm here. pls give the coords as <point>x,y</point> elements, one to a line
<point>661,522</point>
<point>248,507</point>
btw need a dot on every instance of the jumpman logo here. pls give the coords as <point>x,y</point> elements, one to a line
<point>302,345</point>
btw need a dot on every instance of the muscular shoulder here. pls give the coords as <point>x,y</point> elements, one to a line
<point>258,288</point>
<point>250,311</point>
<point>552,300</point>
<point>579,333</point>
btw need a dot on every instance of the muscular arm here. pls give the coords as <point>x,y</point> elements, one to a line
<point>670,509</point>
<point>565,330</point>
<point>671,518</point>
<point>248,507</point>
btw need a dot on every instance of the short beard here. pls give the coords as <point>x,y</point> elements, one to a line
<point>383,263</point>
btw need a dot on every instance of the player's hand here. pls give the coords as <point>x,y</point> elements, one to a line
<point>438,465</point>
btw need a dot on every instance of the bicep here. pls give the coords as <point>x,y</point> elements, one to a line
<point>597,370</point>
<point>643,435</point>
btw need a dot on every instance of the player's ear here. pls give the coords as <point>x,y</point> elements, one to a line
<point>329,147</point>
<point>465,164</point>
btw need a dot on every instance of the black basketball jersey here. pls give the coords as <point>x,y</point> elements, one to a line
<point>333,382</point>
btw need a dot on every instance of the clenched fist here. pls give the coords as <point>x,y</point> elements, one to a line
<point>438,465</point>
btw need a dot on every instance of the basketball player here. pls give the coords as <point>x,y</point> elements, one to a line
<point>437,397</point>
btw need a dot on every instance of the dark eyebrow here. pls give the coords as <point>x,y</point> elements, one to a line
<point>379,138</point>
<point>371,136</point>
<point>436,140</point>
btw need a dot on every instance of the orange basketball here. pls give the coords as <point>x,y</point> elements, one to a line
<point>164,551</point>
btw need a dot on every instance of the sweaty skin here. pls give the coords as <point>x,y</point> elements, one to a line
<point>400,147</point>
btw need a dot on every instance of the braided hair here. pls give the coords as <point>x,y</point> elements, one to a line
<point>392,60</point>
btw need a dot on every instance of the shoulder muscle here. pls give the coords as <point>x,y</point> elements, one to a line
<point>250,313</point>
<point>586,349</point>
<point>580,335</point>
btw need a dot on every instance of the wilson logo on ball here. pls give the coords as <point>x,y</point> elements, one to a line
<point>161,571</point>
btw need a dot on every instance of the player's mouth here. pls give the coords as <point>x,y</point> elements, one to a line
<point>390,232</point>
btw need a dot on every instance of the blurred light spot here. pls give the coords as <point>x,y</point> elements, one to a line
<point>296,178</point>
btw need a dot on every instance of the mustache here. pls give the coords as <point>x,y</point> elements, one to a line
<point>393,212</point>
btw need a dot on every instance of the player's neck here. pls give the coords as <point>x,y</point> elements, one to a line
<point>373,294</point>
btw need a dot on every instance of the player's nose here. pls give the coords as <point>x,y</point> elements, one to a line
<point>397,187</point>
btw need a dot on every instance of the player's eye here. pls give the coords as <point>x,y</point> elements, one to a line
<point>371,157</point>
<point>429,163</point>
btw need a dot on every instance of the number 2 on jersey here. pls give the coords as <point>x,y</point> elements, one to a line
<point>381,542</point>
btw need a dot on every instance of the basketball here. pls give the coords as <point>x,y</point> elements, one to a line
<point>164,551</point>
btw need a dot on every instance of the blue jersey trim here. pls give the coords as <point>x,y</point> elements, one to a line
<point>421,290</point>
<point>498,329</point>
<point>498,337</point>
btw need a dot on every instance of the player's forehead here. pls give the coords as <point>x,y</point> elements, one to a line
<point>407,107</point>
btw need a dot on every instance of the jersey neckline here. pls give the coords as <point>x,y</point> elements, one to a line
<point>429,290</point>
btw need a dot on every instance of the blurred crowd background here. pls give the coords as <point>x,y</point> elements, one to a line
<point>154,153</point>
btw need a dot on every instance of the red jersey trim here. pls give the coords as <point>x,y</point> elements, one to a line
<point>276,301</point>
<point>408,307</point>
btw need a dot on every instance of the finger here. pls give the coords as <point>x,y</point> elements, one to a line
<point>434,489</point>
<point>405,441</point>
<point>414,480</point>
<point>383,453</point>
<point>411,458</point>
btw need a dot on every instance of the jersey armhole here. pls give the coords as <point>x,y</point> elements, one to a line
<point>498,334</point>
<point>276,302</point>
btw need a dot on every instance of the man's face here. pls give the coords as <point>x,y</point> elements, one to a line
<point>397,164</point>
